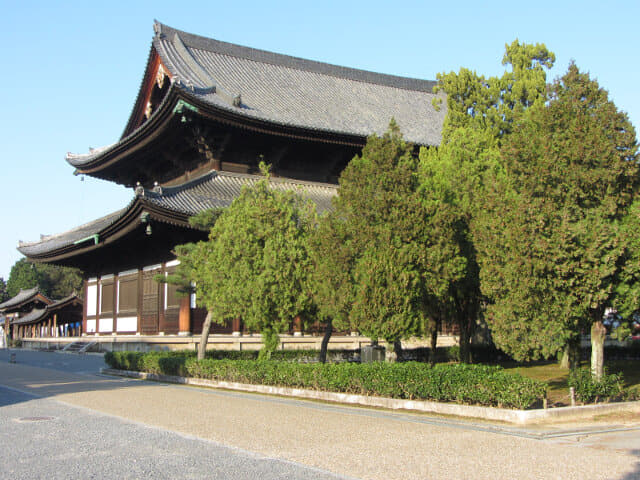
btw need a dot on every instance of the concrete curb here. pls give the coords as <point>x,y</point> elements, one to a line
<point>519,417</point>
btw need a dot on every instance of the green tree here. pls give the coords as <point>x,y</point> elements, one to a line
<point>23,276</point>
<point>331,283</point>
<point>4,295</point>
<point>54,281</point>
<point>452,176</point>
<point>399,263</point>
<point>183,275</point>
<point>480,114</point>
<point>627,293</point>
<point>492,104</point>
<point>552,238</point>
<point>255,263</point>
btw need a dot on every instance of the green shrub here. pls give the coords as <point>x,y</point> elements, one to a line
<point>467,384</point>
<point>589,390</point>
<point>301,356</point>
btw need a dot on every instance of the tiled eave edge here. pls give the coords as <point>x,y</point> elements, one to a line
<point>518,417</point>
<point>128,222</point>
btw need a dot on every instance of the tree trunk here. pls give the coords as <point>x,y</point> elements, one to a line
<point>204,337</point>
<point>465,343</point>
<point>433,346</point>
<point>598,334</point>
<point>328,329</point>
<point>397,348</point>
<point>393,351</point>
<point>571,354</point>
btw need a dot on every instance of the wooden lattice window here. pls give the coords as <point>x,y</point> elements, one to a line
<point>106,297</point>
<point>128,295</point>
<point>150,293</point>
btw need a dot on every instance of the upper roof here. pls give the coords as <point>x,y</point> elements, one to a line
<point>22,298</point>
<point>213,190</point>
<point>284,91</point>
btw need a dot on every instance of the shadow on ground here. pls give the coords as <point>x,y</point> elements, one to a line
<point>50,374</point>
<point>635,474</point>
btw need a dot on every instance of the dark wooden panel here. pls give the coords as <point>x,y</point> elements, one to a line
<point>150,303</point>
<point>197,319</point>
<point>149,325</point>
<point>170,325</point>
<point>128,295</point>
<point>106,297</point>
<point>173,298</point>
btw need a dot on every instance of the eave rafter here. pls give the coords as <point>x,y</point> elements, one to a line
<point>140,213</point>
<point>179,107</point>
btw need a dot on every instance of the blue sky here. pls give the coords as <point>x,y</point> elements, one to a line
<point>71,72</point>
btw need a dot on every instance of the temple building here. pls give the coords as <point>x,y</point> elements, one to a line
<point>207,113</point>
<point>30,314</point>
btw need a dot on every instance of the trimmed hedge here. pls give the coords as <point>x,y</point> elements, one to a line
<point>588,389</point>
<point>457,383</point>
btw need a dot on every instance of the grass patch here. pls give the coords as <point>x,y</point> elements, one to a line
<point>557,378</point>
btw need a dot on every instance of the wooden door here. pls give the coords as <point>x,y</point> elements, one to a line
<point>150,303</point>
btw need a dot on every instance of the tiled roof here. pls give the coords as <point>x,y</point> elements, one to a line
<point>52,242</point>
<point>33,316</point>
<point>293,92</point>
<point>22,297</point>
<point>38,314</point>
<point>218,189</point>
<point>298,92</point>
<point>212,190</point>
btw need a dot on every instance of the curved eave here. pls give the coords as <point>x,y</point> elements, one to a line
<point>160,122</point>
<point>72,300</point>
<point>128,222</point>
<point>27,301</point>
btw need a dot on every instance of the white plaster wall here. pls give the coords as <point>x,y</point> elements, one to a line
<point>105,325</point>
<point>92,299</point>
<point>91,326</point>
<point>127,324</point>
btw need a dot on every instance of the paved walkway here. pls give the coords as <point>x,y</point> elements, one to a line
<point>354,442</point>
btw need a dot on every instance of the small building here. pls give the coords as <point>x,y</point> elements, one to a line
<point>206,114</point>
<point>30,314</point>
<point>61,318</point>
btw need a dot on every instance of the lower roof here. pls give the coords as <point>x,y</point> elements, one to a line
<point>175,204</point>
<point>38,314</point>
<point>22,298</point>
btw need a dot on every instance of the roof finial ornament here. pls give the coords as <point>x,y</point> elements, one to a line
<point>157,188</point>
<point>139,190</point>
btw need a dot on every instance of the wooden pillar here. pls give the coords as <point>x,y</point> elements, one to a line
<point>140,294</point>
<point>297,326</point>
<point>161,302</point>
<point>85,306</point>
<point>98,298</point>
<point>55,324</point>
<point>116,289</point>
<point>184,318</point>
<point>236,326</point>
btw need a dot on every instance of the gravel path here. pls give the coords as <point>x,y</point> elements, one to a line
<point>347,441</point>
<point>45,439</point>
